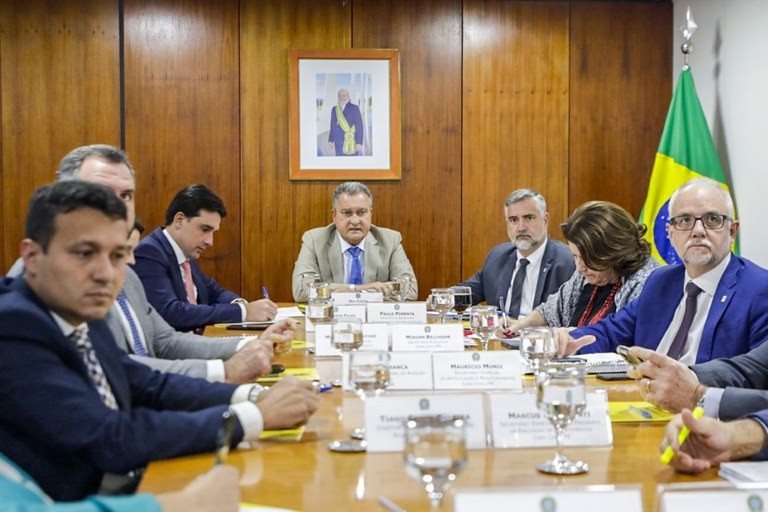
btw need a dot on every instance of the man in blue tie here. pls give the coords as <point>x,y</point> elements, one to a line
<point>352,254</point>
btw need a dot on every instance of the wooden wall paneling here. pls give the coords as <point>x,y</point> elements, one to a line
<point>620,90</point>
<point>59,86</point>
<point>182,113</point>
<point>425,204</point>
<point>515,115</point>
<point>276,211</point>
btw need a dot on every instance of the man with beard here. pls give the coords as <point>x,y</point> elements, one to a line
<point>713,305</point>
<point>520,275</point>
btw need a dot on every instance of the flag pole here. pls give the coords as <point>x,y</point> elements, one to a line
<point>688,29</point>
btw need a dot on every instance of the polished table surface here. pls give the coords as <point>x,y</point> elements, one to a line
<point>307,476</point>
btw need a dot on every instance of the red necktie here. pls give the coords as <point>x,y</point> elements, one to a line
<point>189,285</point>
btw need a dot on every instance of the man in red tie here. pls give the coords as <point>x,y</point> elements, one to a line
<point>166,263</point>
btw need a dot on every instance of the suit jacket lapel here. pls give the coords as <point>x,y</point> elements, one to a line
<point>335,258</point>
<point>371,259</point>
<point>197,279</point>
<point>723,295</point>
<point>176,280</point>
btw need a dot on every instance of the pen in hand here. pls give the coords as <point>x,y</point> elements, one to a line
<point>504,317</point>
<point>669,452</point>
<point>265,292</point>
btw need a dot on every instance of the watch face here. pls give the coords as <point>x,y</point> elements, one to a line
<point>254,393</point>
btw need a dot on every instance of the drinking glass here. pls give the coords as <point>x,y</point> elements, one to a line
<point>401,288</point>
<point>537,346</point>
<point>441,300</point>
<point>318,290</point>
<point>435,453</point>
<point>307,278</point>
<point>483,321</point>
<point>561,395</point>
<point>462,299</point>
<point>368,376</point>
<point>346,336</point>
<point>319,310</point>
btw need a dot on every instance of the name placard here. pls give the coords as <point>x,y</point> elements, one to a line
<point>516,422</point>
<point>375,337</point>
<point>477,370</point>
<point>714,499</point>
<point>400,312</point>
<point>427,337</point>
<point>603,498</point>
<point>353,310</point>
<point>384,417</point>
<point>410,370</point>
<point>347,298</point>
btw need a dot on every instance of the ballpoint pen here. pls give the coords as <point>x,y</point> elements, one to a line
<point>669,453</point>
<point>504,318</point>
<point>265,292</point>
<point>639,411</point>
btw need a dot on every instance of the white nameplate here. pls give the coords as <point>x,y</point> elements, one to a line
<point>384,417</point>
<point>353,310</point>
<point>410,370</point>
<point>602,498</point>
<point>477,370</point>
<point>346,298</point>
<point>516,422</point>
<point>400,312</point>
<point>715,500</point>
<point>375,337</point>
<point>427,337</point>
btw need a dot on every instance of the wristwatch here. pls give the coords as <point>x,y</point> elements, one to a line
<point>240,301</point>
<point>255,392</point>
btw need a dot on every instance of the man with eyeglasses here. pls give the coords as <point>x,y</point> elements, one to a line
<point>713,305</point>
<point>351,253</point>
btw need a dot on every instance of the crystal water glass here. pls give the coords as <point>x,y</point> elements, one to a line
<point>462,300</point>
<point>537,346</point>
<point>441,300</point>
<point>435,453</point>
<point>562,396</point>
<point>346,336</point>
<point>483,321</point>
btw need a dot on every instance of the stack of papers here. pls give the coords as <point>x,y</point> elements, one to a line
<point>741,472</point>
<point>605,362</point>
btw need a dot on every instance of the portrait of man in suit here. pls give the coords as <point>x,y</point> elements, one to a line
<point>346,131</point>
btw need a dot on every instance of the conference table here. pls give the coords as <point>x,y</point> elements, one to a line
<point>305,475</point>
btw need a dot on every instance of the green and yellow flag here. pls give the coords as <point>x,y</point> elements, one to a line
<point>686,151</point>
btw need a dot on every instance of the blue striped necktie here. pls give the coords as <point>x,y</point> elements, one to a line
<point>138,347</point>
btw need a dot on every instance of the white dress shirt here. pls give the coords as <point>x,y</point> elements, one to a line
<point>348,257</point>
<point>531,280</point>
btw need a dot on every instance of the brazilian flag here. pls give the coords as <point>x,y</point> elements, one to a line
<point>686,151</point>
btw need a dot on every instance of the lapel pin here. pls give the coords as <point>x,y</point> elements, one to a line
<point>723,298</point>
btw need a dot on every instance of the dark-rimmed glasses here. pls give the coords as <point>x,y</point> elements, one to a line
<point>709,221</point>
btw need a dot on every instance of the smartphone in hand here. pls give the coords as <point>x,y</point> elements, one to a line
<point>624,352</point>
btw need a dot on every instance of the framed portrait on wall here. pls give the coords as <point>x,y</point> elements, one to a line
<point>344,115</point>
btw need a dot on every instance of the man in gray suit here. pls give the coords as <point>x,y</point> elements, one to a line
<point>231,359</point>
<point>351,253</point>
<point>726,388</point>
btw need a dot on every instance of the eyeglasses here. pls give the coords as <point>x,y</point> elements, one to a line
<point>709,221</point>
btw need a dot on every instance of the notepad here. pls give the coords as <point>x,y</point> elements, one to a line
<point>748,471</point>
<point>299,373</point>
<point>632,412</point>
<point>605,362</point>
<point>287,434</point>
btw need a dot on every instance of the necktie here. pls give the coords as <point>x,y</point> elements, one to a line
<point>678,343</point>
<point>189,284</point>
<point>138,347</point>
<point>356,269</point>
<point>516,294</point>
<point>80,338</point>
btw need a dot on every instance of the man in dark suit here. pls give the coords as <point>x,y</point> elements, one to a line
<point>548,263</point>
<point>76,413</point>
<point>347,130</point>
<point>166,263</point>
<point>713,305</point>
